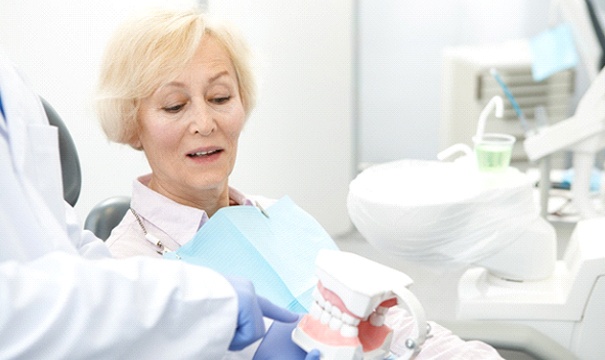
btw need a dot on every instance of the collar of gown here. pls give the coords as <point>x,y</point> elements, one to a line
<point>180,222</point>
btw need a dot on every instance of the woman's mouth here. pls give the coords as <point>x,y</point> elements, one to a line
<point>204,153</point>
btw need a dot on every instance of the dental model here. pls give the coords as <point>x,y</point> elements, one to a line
<point>352,297</point>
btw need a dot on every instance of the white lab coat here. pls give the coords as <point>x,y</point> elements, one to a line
<point>57,304</point>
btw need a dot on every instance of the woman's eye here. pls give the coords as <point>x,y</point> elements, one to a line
<point>221,99</point>
<point>173,108</point>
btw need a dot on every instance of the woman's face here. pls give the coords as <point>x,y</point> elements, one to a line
<point>190,127</point>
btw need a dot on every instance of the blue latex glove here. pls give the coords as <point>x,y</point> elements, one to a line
<point>313,355</point>
<point>250,311</point>
<point>278,344</point>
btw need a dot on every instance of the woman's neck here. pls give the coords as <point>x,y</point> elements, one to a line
<point>210,200</point>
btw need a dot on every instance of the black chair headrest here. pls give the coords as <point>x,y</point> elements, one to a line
<point>70,163</point>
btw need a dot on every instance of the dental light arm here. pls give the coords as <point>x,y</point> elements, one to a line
<point>589,120</point>
<point>583,134</point>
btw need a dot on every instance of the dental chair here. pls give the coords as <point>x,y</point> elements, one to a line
<point>512,341</point>
<point>70,163</point>
<point>106,215</point>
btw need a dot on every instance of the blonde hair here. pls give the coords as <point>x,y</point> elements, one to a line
<point>152,50</point>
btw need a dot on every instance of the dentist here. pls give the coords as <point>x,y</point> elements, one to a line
<point>62,296</point>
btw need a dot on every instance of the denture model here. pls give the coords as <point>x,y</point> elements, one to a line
<point>351,300</point>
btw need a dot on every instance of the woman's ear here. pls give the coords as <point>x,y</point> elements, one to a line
<point>135,138</point>
<point>136,143</point>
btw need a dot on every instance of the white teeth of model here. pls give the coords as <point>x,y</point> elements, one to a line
<point>349,319</point>
<point>335,323</point>
<point>349,331</point>
<point>328,306</point>
<point>325,317</point>
<point>318,297</point>
<point>335,311</point>
<point>382,310</point>
<point>376,319</point>
<point>315,311</point>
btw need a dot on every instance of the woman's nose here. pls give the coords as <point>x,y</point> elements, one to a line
<point>202,121</point>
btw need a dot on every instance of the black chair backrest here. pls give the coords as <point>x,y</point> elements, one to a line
<point>70,163</point>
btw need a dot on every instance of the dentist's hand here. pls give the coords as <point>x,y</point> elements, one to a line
<point>250,311</point>
<point>278,344</point>
<point>313,355</point>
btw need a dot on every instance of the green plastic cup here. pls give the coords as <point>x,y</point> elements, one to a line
<point>493,151</point>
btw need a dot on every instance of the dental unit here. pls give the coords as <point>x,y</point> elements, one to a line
<point>514,276</point>
<point>351,300</point>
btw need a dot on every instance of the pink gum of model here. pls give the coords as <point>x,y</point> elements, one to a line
<point>352,297</point>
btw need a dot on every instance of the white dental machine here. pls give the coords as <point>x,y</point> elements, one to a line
<point>450,212</point>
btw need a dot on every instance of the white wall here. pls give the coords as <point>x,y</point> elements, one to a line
<point>400,47</point>
<point>299,140</point>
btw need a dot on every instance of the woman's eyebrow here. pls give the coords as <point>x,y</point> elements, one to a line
<point>179,84</point>
<point>176,84</point>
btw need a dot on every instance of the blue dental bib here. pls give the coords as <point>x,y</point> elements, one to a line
<point>276,252</point>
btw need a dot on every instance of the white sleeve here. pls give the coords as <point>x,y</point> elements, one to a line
<point>85,242</point>
<point>441,344</point>
<point>61,306</point>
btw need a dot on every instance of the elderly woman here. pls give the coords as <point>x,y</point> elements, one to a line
<point>179,87</point>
